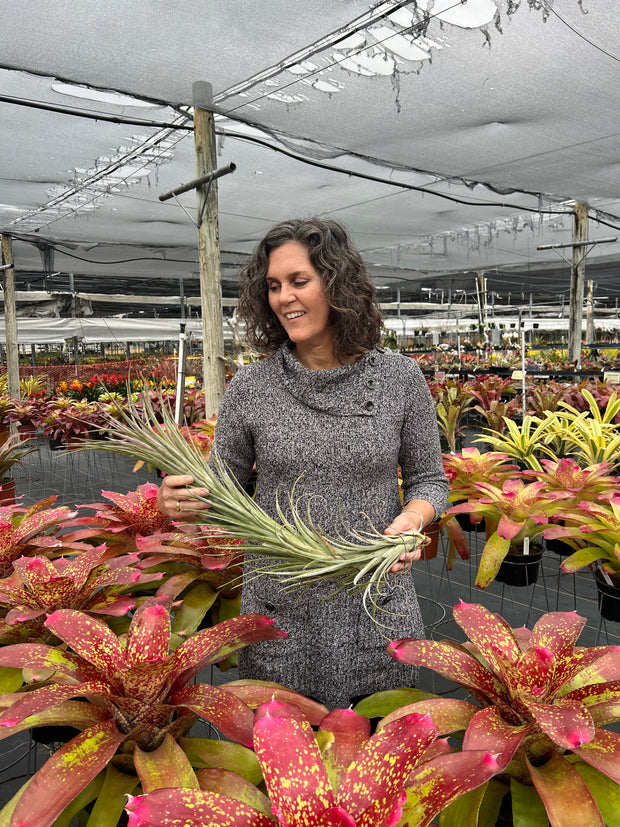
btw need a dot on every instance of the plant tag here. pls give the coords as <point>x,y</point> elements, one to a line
<point>526,545</point>
<point>606,577</point>
<point>517,374</point>
<point>612,376</point>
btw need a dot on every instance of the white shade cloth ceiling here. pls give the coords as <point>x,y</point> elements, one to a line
<point>509,109</point>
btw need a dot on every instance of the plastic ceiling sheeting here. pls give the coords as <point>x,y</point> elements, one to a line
<point>406,326</point>
<point>450,137</point>
<point>94,330</point>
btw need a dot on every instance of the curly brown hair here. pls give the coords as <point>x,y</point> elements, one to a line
<point>355,317</point>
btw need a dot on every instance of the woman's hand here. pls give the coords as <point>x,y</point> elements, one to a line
<point>409,521</point>
<point>176,500</point>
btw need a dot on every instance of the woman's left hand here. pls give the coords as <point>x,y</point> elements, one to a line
<point>405,523</point>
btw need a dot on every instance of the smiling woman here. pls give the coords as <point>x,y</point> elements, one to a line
<point>326,419</point>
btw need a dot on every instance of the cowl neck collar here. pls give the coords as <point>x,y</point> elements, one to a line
<point>348,390</point>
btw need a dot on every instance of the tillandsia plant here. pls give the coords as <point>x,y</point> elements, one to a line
<point>137,702</point>
<point>340,776</point>
<point>296,553</point>
<point>541,707</point>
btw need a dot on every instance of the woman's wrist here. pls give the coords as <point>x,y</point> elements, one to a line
<point>415,511</point>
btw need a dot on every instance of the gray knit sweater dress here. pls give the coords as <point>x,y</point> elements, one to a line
<point>338,435</point>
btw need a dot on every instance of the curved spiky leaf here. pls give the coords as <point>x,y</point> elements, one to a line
<point>604,791</point>
<point>373,784</point>
<point>230,715</point>
<point>589,666</point>
<point>296,778</point>
<point>558,631</point>
<point>166,766</point>
<point>495,549</point>
<point>433,785</point>
<point>451,661</point>
<point>380,704</point>
<point>211,753</point>
<point>38,657</point>
<point>490,634</point>
<point>534,674</point>
<point>192,808</point>
<point>488,731</point>
<point>148,640</point>
<point>345,734</point>
<point>449,714</point>
<point>254,693</point>
<point>603,753</point>
<point>564,793</point>
<point>235,786</point>
<point>33,703</point>
<point>566,722</point>
<point>69,713</point>
<point>218,642</point>
<point>65,774</point>
<point>90,638</point>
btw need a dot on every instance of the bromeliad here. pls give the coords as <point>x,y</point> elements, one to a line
<point>542,703</point>
<point>134,694</point>
<point>341,776</point>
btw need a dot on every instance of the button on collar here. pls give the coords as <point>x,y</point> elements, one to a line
<point>369,405</point>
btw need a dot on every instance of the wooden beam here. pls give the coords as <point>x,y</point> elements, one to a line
<point>577,278</point>
<point>10,317</point>
<point>214,377</point>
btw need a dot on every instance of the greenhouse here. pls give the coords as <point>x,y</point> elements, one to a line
<point>310,413</point>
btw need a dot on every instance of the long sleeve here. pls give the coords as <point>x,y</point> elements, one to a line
<point>234,443</point>
<point>420,452</point>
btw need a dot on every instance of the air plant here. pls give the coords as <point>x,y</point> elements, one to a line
<point>137,702</point>
<point>296,552</point>
<point>341,777</point>
<point>541,703</point>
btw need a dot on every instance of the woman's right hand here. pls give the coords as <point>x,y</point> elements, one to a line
<point>178,501</point>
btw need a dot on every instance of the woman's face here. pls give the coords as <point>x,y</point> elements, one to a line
<point>296,296</point>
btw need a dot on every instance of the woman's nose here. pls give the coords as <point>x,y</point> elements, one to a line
<point>287,293</point>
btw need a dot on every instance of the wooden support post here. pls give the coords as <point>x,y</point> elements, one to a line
<point>10,318</point>
<point>578,269</point>
<point>213,373</point>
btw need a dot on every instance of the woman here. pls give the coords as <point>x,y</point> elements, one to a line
<point>333,416</point>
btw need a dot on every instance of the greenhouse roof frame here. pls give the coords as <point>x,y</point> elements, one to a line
<point>450,137</point>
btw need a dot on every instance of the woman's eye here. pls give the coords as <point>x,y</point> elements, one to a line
<point>301,283</point>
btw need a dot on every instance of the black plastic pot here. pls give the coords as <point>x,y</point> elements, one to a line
<point>608,598</point>
<point>559,547</point>
<point>520,569</point>
<point>464,520</point>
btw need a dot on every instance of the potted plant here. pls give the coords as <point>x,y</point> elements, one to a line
<point>138,701</point>
<point>593,530</point>
<point>340,776</point>
<point>516,514</point>
<point>452,404</point>
<point>540,705</point>
<point>12,450</point>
